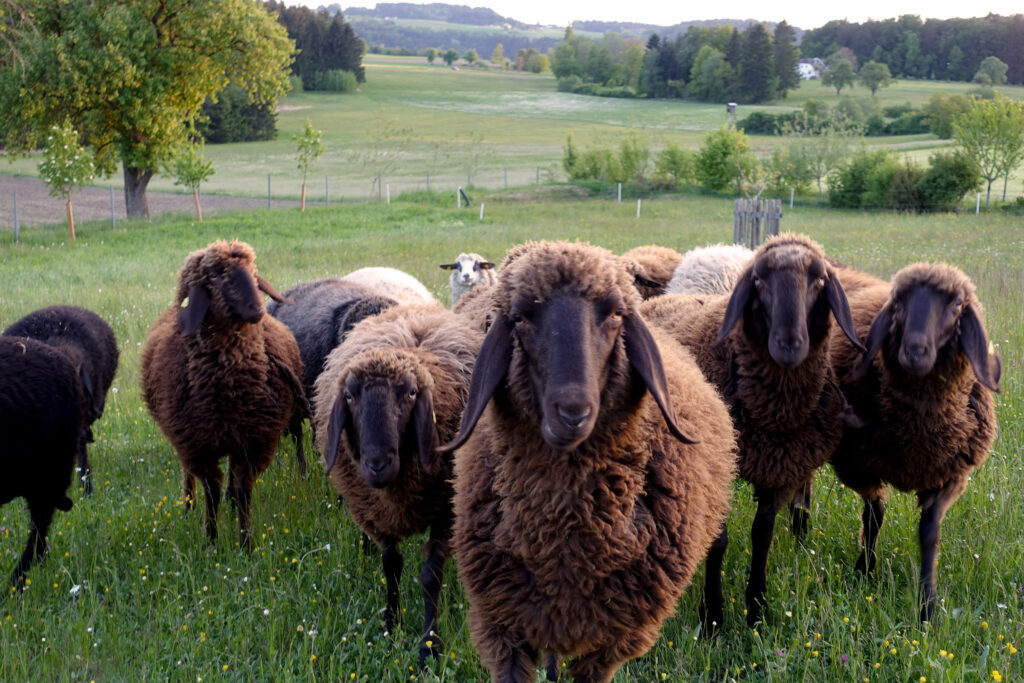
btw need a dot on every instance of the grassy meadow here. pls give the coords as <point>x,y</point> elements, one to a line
<point>132,590</point>
<point>473,125</point>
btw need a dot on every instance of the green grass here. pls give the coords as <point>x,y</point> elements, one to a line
<point>131,589</point>
<point>411,118</point>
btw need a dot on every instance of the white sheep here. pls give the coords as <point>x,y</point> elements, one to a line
<point>392,282</point>
<point>709,270</point>
<point>468,271</point>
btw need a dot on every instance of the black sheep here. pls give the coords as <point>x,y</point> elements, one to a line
<point>42,420</point>
<point>89,343</point>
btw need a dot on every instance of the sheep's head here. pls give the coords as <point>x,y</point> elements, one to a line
<point>784,298</point>
<point>221,281</point>
<point>569,339</point>
<point>468,269</point>
<point>933,315</point>
<point>384,407</point>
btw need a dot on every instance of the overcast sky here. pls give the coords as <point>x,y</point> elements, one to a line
<point>805,14</point>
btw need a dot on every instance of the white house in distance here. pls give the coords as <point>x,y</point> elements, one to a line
<point>810,68</point>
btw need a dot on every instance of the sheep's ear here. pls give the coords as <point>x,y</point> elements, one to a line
<point>645,358</point>
<point>269,290</point>
<point>979,350</point>
<point>336,424</point>
<point>837,301</point>
<point>425,423</point>
<point>642,281</point>
<point>486,265</point>
<point>877,336</point>
<point>449,266</point>
<point>359,311</point>
<point>741,294</point>
<point>491,366</point>
<point>193,309</point>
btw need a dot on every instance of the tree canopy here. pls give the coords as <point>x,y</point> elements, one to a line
<point>134,75</point>
<point>874,75</point>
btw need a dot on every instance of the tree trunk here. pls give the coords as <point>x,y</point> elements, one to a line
<point>135,182</point>
<point>199,210</point>
<point>303,203</point>
<point>988,193</point>
<point>71,221</point>
<point>1006,179</point>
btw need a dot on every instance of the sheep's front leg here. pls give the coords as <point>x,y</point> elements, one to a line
<point>188,489</point>
<point>769,501</point>
<point>436,551</point>
<point>933,504</point>
<point>295,429</point>
<point>392,562</point>
<point>40,514</point>
<point>210,478</point>
<point>800,507</point>
<point>870,524</point>
<point>711,611</point>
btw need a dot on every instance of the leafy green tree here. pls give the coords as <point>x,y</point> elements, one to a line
<point>674,164</point>
<point>309,147</point>
<point>564,62</point>
<point>65,166</point>
<point>722,159</point>
<point>950,176</point>
<point>942,110</point>
<point>874,75</point>
<point>431,55</point>
<point>849,184</point>
<point>814,149</point>
<point>711,76</point>
<point>991,71</point>
<point>839,75</point>
<point>191,169</point>
<point>991,134</point>
<point>787,56</point>
<point>449,56</point>
<point>470,56</point>
<point>498,55</point>
<point>757,78</point>
<point>134,75</point>
<point>536,62</point>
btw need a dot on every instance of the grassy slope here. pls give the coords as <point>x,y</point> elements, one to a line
<point>131,590</point>
<point>413,118</point>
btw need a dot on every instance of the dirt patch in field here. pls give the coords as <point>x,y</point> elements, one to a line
<point>37,207</point>
<point>546,193</point>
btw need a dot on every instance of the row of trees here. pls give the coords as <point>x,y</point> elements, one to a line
<point>325,43</point>
<point>524,60</point>
<point>824,153</point>
<point>937,49</point>
<point>718,64</point>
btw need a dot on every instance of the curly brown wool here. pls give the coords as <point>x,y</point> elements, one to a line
<point>653,266</point>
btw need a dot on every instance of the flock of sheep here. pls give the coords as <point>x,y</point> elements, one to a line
<point>569,430</point>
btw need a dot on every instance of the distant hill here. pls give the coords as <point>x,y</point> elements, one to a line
<point>436,11</point>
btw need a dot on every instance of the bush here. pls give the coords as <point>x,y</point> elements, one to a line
<point>294,83</point>
<point>334,80</point>
<point>949,177</point>
<point>875,125</point>
<point>942,110</point>
<point>674,165</point>
<point>760,123</point>
<point>718,162</point>
<point>903,193</point>
<point>909,123</point>
<point>897,110</point>
<point>233,118</point>
<point>849,183</point>
<point>569,83</point>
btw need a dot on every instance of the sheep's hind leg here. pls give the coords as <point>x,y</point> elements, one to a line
<point>769,501</point>
<point>211,479</point>
<point>391,560</point>
<point>933,508</point>
<point>436,552</point>
<point>800,507</point>
<point>711,611</point>
<point>188,489</point>
<point>241,479</point>
<point>41,514</point>
<point>871,523</point>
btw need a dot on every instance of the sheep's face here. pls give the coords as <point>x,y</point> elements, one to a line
<point>384,407</point>
<point>567,339</point>
<point>468,269</point>
<point>567,344</point>
<point>784,299</point>
<point>933,316</point>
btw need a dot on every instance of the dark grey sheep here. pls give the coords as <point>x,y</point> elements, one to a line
<point>42,419</point>
<point>89,343</point>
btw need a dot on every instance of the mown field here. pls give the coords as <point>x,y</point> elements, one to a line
<point>468,126</point>
<point>132,590</point>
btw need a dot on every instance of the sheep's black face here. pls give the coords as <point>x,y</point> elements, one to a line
<point>789,298</point>
<point>567,342</point>
<point>927,319</point>
<point>241,293</point>
<point>380,410</point>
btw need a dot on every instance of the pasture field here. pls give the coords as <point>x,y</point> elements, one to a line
<point>132,590</point>
<point>468,126</point>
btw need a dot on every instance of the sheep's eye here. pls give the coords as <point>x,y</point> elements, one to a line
<point>348,395</point>
<point>412,393</point>
<point>959,302</point>
<point>617,314</point>
<point>516,318</point>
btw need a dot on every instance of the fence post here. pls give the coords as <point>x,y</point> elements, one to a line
<point>638,208</point>
<point>15,215</point>
<point>977,205</point>
<point>458,198</point>
<point>620,193</point>
<point>268,190</point>
<point>111,206</point>
<point>469,177</point>
<point>389,193</point>
<point>481,210</point>
<point>792,191</point>
<point>538,175</point>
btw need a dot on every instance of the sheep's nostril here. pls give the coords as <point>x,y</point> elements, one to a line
<point>573,416</point>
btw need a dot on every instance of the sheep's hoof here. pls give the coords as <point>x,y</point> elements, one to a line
<point>756,612</point>
<point>551,666</point>
<point>928,608</point>
<point>801,523</point>
<point>863,565</point>
<point>710,620</point>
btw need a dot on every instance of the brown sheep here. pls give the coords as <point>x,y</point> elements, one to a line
<point>597,476</point>
<point>221,378</point>
<point>924,391</point>
<point>387,396</point>
<point>476,306</point>
<point>652,266</point>
<point>766,348</point>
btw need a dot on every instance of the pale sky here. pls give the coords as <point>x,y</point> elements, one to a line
<point>804,14</point>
